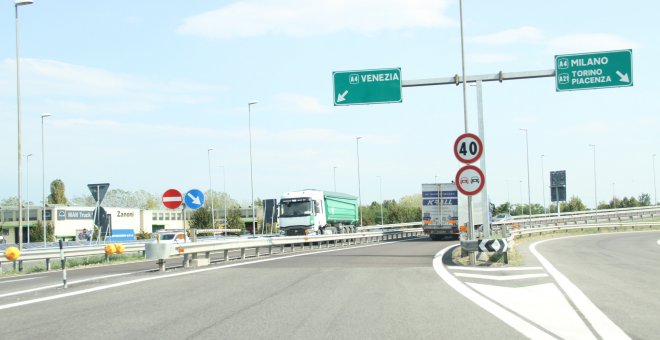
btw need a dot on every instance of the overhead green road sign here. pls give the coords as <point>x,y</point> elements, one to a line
<point>367,86</point>
<point>593,70</point>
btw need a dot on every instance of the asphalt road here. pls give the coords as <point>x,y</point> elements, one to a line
<point>620,273</point>
<point>388,291</point>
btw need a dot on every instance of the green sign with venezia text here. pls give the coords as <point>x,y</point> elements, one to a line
<point>367,86</point>
<point>593,70</point>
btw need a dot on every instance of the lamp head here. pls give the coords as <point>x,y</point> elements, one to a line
<point>23,2</point>
<point>46,115</point>
<point>252,102</point>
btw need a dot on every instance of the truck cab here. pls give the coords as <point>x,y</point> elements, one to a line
<point>316,212</point>
<point>302,215</point>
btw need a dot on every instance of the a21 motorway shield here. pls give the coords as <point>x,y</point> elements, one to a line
<point>470,180</point>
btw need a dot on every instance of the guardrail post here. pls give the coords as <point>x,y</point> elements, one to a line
<point>242,253</point>
<point>20,265</point>
<point>208,256</point>
<point>161,265</point>
<point>186,263</point>
<point>282,249</point>
<point>293,247</point>
<point>270,250</point>
<point>48,265</point>
<point>256,252</point>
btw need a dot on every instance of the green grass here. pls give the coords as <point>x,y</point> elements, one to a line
<point>77,262</point>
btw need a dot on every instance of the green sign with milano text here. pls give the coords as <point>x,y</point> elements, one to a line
<point>593,70</point>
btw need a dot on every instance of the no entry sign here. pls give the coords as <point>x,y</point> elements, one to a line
<point>172,199</point>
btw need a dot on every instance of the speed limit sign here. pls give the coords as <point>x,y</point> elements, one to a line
<point>468,148</point>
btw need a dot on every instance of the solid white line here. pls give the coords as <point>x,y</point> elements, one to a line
<point>30,278</point>
<point>191,272</point>
<point>503,269</point>
<point>501,278</point>
<point>69,283</point>
<point>519,324</point>
<point>598,320</point>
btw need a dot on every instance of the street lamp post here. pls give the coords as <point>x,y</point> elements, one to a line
<point>224,191</point>
<point>334,176</point>
<point>18,3</point>
<point>357,144</point>
<point>613,197</point>
<point>655,190</point>
<point>545,211</point>
<point>529,191</point>
<point>595,190</point>
<point>254,216</point>
<point>208,154</point>
<point>27,194</point>
<point>380,180</point>
<point>43,177</point>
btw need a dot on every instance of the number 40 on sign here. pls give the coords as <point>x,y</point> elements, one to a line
<point>468,148</point>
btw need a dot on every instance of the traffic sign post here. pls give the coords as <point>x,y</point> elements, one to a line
<point>172,199</point>
<point>367,86</point>
<point>194,199</point>
<point>593,70</point>
<point>468,148</point>
<point>470,180</point>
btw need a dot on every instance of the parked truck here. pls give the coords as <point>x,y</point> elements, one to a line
<point>445,211</point>
<point>317,212</point>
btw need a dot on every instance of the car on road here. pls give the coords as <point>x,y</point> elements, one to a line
<point>169,237</point>
<point>502,217</point>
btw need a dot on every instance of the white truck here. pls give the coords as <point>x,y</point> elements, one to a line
<point>316,212</point>
<point>444,210</point>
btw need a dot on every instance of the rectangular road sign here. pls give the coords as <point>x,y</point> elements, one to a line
<point>593,70</point>
<point>367,86</point>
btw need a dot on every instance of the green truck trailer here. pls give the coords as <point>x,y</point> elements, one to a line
<point>317,212</point>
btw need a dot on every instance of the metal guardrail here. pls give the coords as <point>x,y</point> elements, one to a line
<point>585,217</point>
<point>541,230</point>
<point>48,254</point>
<point>191,252</point>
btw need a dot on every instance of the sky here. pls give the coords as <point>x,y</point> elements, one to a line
<point>140,90</point>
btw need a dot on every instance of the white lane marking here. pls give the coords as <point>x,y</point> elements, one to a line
<point>501,278</point>
<point>29,278</point>
<point>542,304</point>
<point>152,278</point>
<point>659,242</point>
<point>518,323</point>
<point>598,320</point>
<point>503,269</point>
<point>69,283</point>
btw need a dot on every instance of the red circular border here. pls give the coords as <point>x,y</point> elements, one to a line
<point>172,193</point>
<point>473,136</point>
<point>479,188</point>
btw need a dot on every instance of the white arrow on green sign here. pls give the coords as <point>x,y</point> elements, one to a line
<point>593,70</point>
<point>367,86</point>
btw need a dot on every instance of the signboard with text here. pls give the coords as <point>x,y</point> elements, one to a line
<point>593,70</point>
<point>367,86</point>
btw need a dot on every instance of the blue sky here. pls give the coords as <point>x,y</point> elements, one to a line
<point>139,90</point>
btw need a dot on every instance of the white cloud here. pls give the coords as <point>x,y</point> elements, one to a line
<point>302,18</point>
<point>489,58</point>
<point>525,34</point>
<point>575,43</point>
<point>301,103</point>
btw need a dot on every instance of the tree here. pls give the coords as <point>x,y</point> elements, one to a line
<point>234,219</point>
<point>9,201</point>
<point>644,200</point>
<point>57,193</point>
<point>37,232</point>
<point>201,219</point>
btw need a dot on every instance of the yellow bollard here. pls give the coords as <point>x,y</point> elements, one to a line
<point>110,249</point>
<point>12,253</point>
<point>119,248</point>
